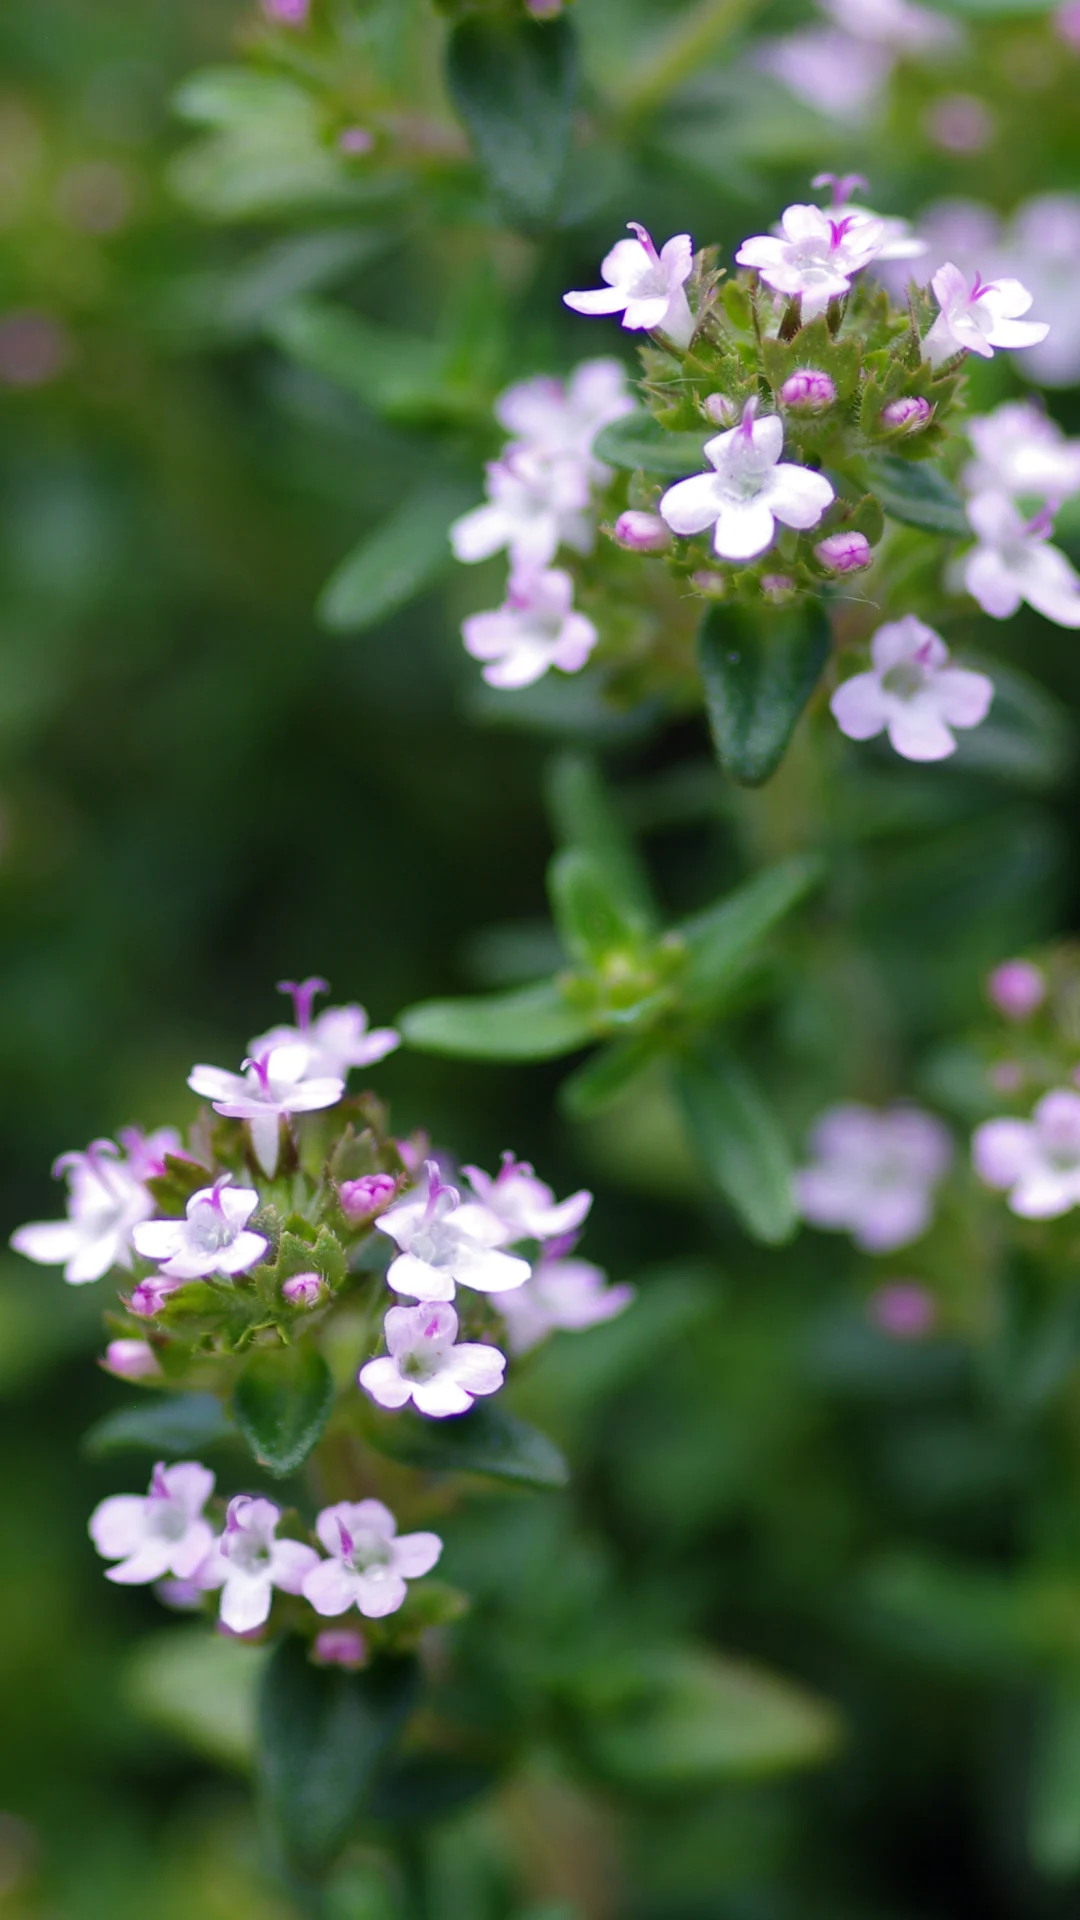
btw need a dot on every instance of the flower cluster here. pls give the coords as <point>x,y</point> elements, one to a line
<point>1024,468</point>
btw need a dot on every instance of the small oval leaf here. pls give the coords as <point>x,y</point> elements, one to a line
<point>282,1402</point>
<point>759,671</point>
<point>740,1141</point>
<point>487,1440</point>
<point>393,563</point>
<point>513,82</point>
<point>723,938</point>
<point>532,1023</point>
<point>638,442</point>
<point>915,493</point>
<point>170,1426</point>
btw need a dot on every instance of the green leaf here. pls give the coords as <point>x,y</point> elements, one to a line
<point>759,671</point>
<point>587,916</point>
<point>487,1440</point>
<point>513,82</point>
<point>391,566</point>
<point>740,1142</point>
<point>605,1075</point>
<point>915,492</point>
<point>265,152</point>
<point>722,938</point>
<point>690,1716</point>
<point>638,441</point>
<point>170,1426</point>
<point>1054,1816</point>
<point>322,1735</point>
<point>422,1787</point>
<point>531,1023</point>
<point>583,815</point>
<point>390,371</point>
<point>282,1401</point>
<point>200,1687</point>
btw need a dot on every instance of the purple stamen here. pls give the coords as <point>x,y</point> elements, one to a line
<point>159,1486</point>
<point>347,1541</point>
<point>1042,526</point>
<point>510,1167</point>
<point>431,1330</point>
<point>843,185</point>
<point>303,993</point>
<point>838,229</point>
<point>260,1065</point>
<point>980,287</point>
<point>746,425</point>
<point>646,241</point>
<point>922,655</point>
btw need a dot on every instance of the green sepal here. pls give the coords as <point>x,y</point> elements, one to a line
<point>173,1189</point>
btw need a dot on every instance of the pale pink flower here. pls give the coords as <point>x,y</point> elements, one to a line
<point>559,419</point>
<point>904,1310</point>
<point>424,1365</point>
<point>1038,1160</point>
<point>1042,247</point>
<point>287,13</point>
<point>976,316</point>
<point>911,693</point>
<point>131,1360</point>
<point>1020,451</point>
<point>959,123</point>
<point>370,1561</point>
<point>563,1295</point>
<point>897,241</point>
<point>274,1086</point>
<point>1017,988</point>
<point>150,1296</point>
<point>525,1205</point>
<point>444,1243</point>
<point>212,1238</point>
<point>815,255</point>
<point>873,1174</point>
<point>1067,23</point>
<point>535,505</point>
<point>336,1039</point>
<point>749,490</point>
<point>248,1561</point>
<point>1014,561</point>
<point>106,1200</point>
<point>536,628</point>
<point>646,287</point>
<point>157,1533</point>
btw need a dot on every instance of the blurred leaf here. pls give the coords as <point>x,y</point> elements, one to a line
<point>421,1787</point>
<point>722,938</point>
<point>513,81</point>
<point>605,1075</point>
<point>395,563</point>
<point>282,1401</point>
<point>171,1426</point>
<point>1054,1812</point>
<point>740,1141</point>
<point>916,493</point>
<point>1028,737</point>
<point>584,815</point>
<point>486,1440</point>
<point>389,370</point>
<point>237,303</point>
<point>585,911</point>
<point>322,1734</point>
<point>759,671</point>
<point>970,1618</point>
<point>638,441</point>
<point>201,1686</point>
<point>533,1023</point>
<point>266,153</point>
<point>690,1717</point>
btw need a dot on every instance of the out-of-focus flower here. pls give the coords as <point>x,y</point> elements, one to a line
<point>423,1364</point>
<point>157,1533</point>
<point>355,142</point>
<point>1042,247</point>
<point>336,1039</point>
<point>273,1087</point>
<point>1067,23</point>
<point>839,76</point>
<point>370,1561</point>
<point>749,490</point>
<point>1017,988</point>
<point>959,123</point>
<point>911,693</point>
<point>95,196</point>
<point>536,628</point>
<point>814,256</point>
<point>1036,1161</point>
<point>1014,562</point>
<point>34,349</point>
<point>534,506</point>
<point>978,316</point>
<point>213,1238</point>
<point>559,419</point>
<point>150,1296</point>
<point>287,13</point>
<point>340,1647</point>
<point>131,1360</point>
<point>106,1200</point>
<point>527,1207</point>
<point>894,23</point>
<point>646,287</point>
<point>904,1310</point>
<point>1020,451</point>
<point>563,1295</point>
<point>248,1561</point>
<point>873,1174</point>
<point>444,1242</point>
<point>844,552</point>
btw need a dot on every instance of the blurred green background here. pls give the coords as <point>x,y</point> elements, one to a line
<point>202,790</point>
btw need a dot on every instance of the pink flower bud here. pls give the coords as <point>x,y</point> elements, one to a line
<point>720,410</point>
<point>715,585</point>
<point>777,586</point>
<point>355,141</point>
<point>642,532</point>
<point>844,552</point>
<point>339,1647</point>
<point>808,391</point>
<point>150,1296</point>
<point>131,1360</point>
<point>287,13</point>
<point>304,1289</point>
<point>362,1199</point>
<point>904,1310</point>
<point>1017,988</point>
<point>911,413</point>
<point>1067,23</point>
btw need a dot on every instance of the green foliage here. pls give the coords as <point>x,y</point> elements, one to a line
<point>388,568</point>
<point>281,1403</point>
<point>173,1426</point>
<point>534,1023</point>
<point>741,1143</point>
<point>637,440</point>
<point>488,1440</point>
<point>513,82</point>
<point>759,670</point>
<point>918,495</point>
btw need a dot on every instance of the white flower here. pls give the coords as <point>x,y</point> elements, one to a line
<point>425,1366</point>
<point>898,240</point>
<point>536,628</point>
<point>646,287</point>
<point>248,1562</point>
<point>159,1533</point>
<point>1042,247</point>
<point>1038,1160</point>
<point>273,1087</point>
<point>525,1205</point>
<point>444,1242</point>
<point>559,420</point>
<point>212,1238</point>
<point>562,1295</point>
<point>370,1560</point>
<point>815,255</point>
<point>978,316</point>
<point>1020,451</point>
<point>535,505</point>
<point>336,1039</point>
<point>1014,561</point>
<point>873,1174</point>
<point>106,1200</point>
<point>912,693</point>
<point>750,489</point>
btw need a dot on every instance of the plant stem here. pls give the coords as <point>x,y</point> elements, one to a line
<point>675,58</point>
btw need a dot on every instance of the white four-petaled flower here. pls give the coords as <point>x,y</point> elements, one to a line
<point>423,1364</point>
<point>537,627</point>
<point>106,1200</point>
<point>274,1085</point>
<point>444,1243</point>
<point>213,1238</point>
<point>370,1561</point>
<point>646,287</point>
<point>559,419</point>
<point>873,1174</point>
<point>1014,561</point>
<point>248,1561</point>
<point>976,316</point>
<point>815,254</point>
<point>750,489</point>
<point>911,693</point>
<point>526,1206</point>
<point>336,1039</point>
<point>1036,1160</point>
<point>534,506</point>
<point>157,1533</point>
